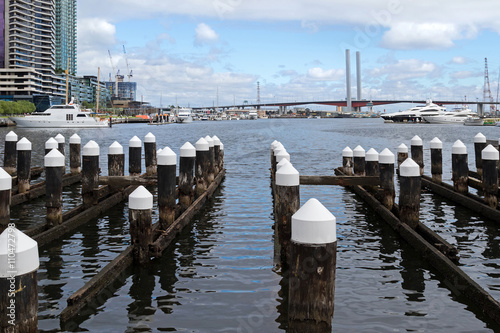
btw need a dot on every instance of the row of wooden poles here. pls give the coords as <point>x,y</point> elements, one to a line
<point>19,261</point>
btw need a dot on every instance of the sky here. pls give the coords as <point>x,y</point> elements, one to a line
<point>213,52</point>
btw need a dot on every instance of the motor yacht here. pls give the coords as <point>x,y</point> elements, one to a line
<point>415,114</point>
<point>453,117</point>
<point>252,114</point>
<point>184,115</point>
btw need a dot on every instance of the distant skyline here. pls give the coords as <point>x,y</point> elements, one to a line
<point>186,51</point>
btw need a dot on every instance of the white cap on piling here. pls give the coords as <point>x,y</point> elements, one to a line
<point>202,145</point>
<point>281,163</point>
<point>347,152</point>
<point>60,138</point>
<point>75,139</point>
<point>135,142</point>
<point>459,148</point>
<point>409,168</point>
<point>210,141</point>
<point>281,155</point>
<point>23,144</point>
<point>416,141</point>
<point>386,157</point>
<point>479,138</point>
<point>221,146</point>
<point>371,155</point>
<point>150,138</point>
<point>314,224</point>
<point>216,140</point>
<point>54,158</point>
<point>11,136</point>
<point>115,149</point>
<point>436,144</point>
<point>25,252</point>
<point>277,146</point>
<point>158,151</point>
<point>5,180</point>
<point>140,199</point>
<point>402,148</point>
<point>167,157</point>
<point>188,150</point>
<point>274,144</point>
<point>51,144</point>
<point>91,149</point>
<point>278,150</point>
<point>358,151</point>
<point>489,153</point>
<point>287,175</point>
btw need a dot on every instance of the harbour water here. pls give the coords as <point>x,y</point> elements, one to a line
<point>219,276</point>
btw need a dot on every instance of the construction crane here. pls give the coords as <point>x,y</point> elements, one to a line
<point>486,90</point>
<point>115,73</point>
<point>129,71</point>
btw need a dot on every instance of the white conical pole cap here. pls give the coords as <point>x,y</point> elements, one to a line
<point>51,144</point>
<point>278,146</point>
<point>371,155</point>
<point>158,151</point>
<point>60,138</point>
<point>11,136</point>
<point>135,142</point>
<point>281,163</point>
<point>283,154</point>
<point>150,138</point>
<point>140,199</point>
<point>167,157</point>
<point>436,144</point>
<point>479,138</point>
<point>210,141</point>
<point>221,146</point>
<point>91,149</point>
<point>202,145</point>
<point>402,148</point>
<point>25,253</point>
<point>5,180</point>
<point>489,153</point>
<point>75,139</point>
<point>216,140</point>
<point>274,144</point>
<point>187,150</point>
<point>416,141</point>
<point>115,149</point>
<point>409,168</point>
<point>347,152</point>
<point>386,157</point>
<point>23,144</point>
<point>287,175</point>
<point>54,159</point>
<point>314,224</point>
<point>459,148</point>
<point>358,152</point>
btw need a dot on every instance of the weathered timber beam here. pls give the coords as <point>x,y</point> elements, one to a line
<point>123,181</point>
<point>340,180</point>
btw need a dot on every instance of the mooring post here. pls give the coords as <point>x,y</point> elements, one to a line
<point>437,160</point>
<point>313,253</point>
<point>417,152</point>
<point>275,145</point>
<point>5,197</point>
<point>359,161</point>
<point>75,158</point>
<point>140,204</point>
<point>10,153</point>
<point>201,166</point>
<point>23,147</point>
<point>386,165</point>
<point>221,156</point>
<point>150,154</point>
<point>287,202</point>
<point>489,157</point>
<point>409,193</point>
<point>282,163</point>
<point>459,167</point>
<point>347,162</point>
<point>50,144</point>
<point>186,176</point>
<point>54,171</point>
<point>282,155</point>
<point>402,155</point>
<point>216,154</point>
<point>18,282</point>
<point>167,167</point>
<point>90,173</point>
<point>116,160</point>
<point>276,151</point>
<point>372,163</point>
<point>479,145</point>
<point>61,143</point>
<point>134,158</point>
<point>211,159</point>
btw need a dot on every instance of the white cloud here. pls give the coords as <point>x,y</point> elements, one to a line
<point>95,32</point>
<point>319,74</point>
<point>459,60</point>
<point>205,34</point>
<point>465,74</point>
<point>406,69</point>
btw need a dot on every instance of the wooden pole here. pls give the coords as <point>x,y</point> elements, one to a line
<point>221,156</point>
<point>90,173</point>
<point>10,153</point>
<point>313,255</point>
<point>479,145</point>
<point>417,152</point>
<point>116,160</point>
<point>282,155</point>
<point>186,176</point>
<point>134,158</point>
<point>201,166</point>
<point>437,160</point>
<point>409,193</point>
<point>23,147</point>
<point>216,154</point>
<point>140,204</point>
<point>386,164</point>
<point>371,163</point>
<point>359,161</point>
<point>274,146</point>
<point>54,170</point>
<point>61,143</point>
<point>150,154</point>
<point>18,282</point>
<point>276,151</point>
<point>459,167</point>
<point>50,144</point>
<point>75,159</point>
<point>402,155</point>
<point>5,199</point>
<point>489,157</point>
<point>211,159</point>
<point>347,162</point>
<point>167,167</point>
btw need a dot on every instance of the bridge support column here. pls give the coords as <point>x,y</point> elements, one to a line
<point>480,111</point>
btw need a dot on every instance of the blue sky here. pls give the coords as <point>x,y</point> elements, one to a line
<point>184,52</point>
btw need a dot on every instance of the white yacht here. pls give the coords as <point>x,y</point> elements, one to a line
<point>252,114</point>
<point>183,115</point>
<point>57,116</point>
<point>453,117</point>
<point>415,114</point>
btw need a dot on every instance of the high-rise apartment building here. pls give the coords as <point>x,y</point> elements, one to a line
<point>66,36</point>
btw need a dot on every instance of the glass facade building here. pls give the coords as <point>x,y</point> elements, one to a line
<point>65,24</point>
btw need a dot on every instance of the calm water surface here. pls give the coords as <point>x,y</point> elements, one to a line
<point>219,276</point>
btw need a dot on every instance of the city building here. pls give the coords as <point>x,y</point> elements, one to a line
<point>66,36</point>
